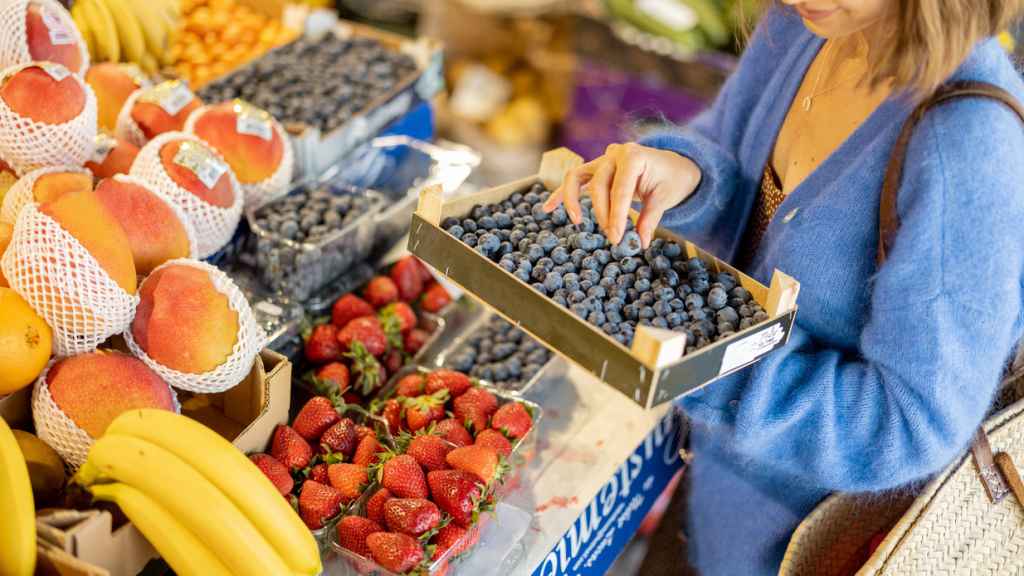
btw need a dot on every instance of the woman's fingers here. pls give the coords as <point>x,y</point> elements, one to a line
<point>624,188</point>
<point>568,193</point>
<point>654,208</point>
<point>599,188</point>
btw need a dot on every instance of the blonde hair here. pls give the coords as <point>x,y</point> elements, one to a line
<point>925,41</point>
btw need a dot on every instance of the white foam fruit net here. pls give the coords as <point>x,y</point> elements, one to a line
<point>14,40</point>
<point>248,342</point>
<point>20,193</point>
<point>258,193</point>
<point>214,226</point>
<point>58,430</point>
<point>179,212</point>
<point>26,144</point>
<point>127,129</point>
<point>64,284</point>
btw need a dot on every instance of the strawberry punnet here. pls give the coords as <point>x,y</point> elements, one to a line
<point>396,552</point>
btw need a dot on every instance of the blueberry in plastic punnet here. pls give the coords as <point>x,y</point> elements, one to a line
<point>717,298</point>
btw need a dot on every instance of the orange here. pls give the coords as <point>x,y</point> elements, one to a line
<point>25,342</point>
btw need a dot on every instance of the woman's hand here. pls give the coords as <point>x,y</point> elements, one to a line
<point>658,179</point>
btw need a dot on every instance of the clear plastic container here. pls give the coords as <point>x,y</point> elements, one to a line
<point>300,269</point>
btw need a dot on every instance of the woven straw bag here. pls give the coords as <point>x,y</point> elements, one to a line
<point>967,520</point>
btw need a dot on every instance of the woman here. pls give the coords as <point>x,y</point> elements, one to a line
<point>888,371</point>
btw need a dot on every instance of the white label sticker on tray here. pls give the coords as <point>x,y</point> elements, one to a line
<point>104,144</point>
<point>745,351</point>
<point>56,71</point>
<point>254,126</point>
<point>671,13</point>
<point>197,158</point>
<point>172,96</point>
<point>59,33</point>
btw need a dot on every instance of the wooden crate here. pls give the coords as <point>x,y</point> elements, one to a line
<point>653,370</point>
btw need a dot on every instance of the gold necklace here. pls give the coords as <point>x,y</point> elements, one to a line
<point>808,100</point>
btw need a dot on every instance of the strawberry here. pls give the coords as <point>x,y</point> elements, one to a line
<point>275,471</point>
<point>494,440</point>
<point>406,276</point>
<point>411,385</point>
<point>512,420</point>
<point>414,341</point>
<point>435,298</point>
<point>412,516</point>
<point>366,331</point>
<point>322,345</point>
<point>457,493</point>
<point>455,382</point>
<point>398,553</point>
<point>375,505</point>
<point>290,448</point>
<point>319,474</point>
<point>334,376</point>
<point>394,360</point>
<point>366,451</point>
<point>392,413</point>
<point>474,407</point>
<point>348,308</point>
<point>352,533</point>
<point>450,536</point>
<point>340,439</point>
<point>422,410</point>
<point>402,313</point>
<point>403,476</point>
<point>429,451</point>
<point>481,461</point>
<point>318,503</point>
<point>380,292</point>
<point>453,431</point>
<point>368,372</point>
<point>425,274</point>
<point>348,479</point>
<point>316,416</point>
<point>364,431</point>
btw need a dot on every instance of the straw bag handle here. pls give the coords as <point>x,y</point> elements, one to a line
<point>998,473</point>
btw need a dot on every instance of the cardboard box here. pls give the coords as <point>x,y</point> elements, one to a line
<point>248,414</point>
<point>654,370</point>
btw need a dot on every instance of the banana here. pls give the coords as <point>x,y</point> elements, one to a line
<point>186,495</point>
<point>17,509</point>
<point>154,28</point>
<point>108,48</point>
<point>149,64</point>
<point>129,33</point>
<point>78,15</point>
<point>230,471</point>
<point>186,554</point>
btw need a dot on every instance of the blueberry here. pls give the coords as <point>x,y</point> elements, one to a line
<point>539,214</point>
<point>577,257</point>
<point>680,266</point>
<point>614,303</point>
<point>596,318</point>
<point>646,299</point>
<point>532,227</point>
<point>744,311</point>
<point>698,314</point>
<point>546,263</point>
<point>524,263</point>
<point>603,256</point>
<point>534,253</point>
<point>586,285</point>
<point>727,280</point>
<point>670,277</point>
<point>699,285</point>
<point>717,298</point>
<point>560,300</point>
<point>672,250</point>
<point>642,285</point>
<point>488,244</point>
<point>660,264</point>
<point>760,316</point>
<point>597,292</point>
<point>726,327</point>
<point>630,265</point>
<point>503,220</point>
<point>613,316</point>
<point>508,264</point>
<point>580,310</point>
<point>703,329</point>
<point>608,284</point>
<point>621,338</point>
<point>727,314</point>
<point>590,263</point>
<point>539,287</point>
<point>661,308</point>
<point>516,198</point>
<point>645,272</point>
<point>449,222</point>
<point>665,293</point>
<point>674,319</point>
<point>646,313</point>
<point>531,197</point>
<point>612,270</point>
<point>624,281</point>
<point>630,244</point>
<point>469,239</point>
<point>660,322</point>
<point>590,276</point>
<point>560,255</point>
<point>677,304</point>
<point>523,209</point>
<point>741,293</point>
<point>469,225</point>
<point>577,296</point>
<point>552,282</point>
<point>571,281</point>
<point>684,290</point>
<point>746,323</point>
<point>523,274</point>
<point>559,216</point>
<point>694,264</point>
<point>539,273</point>
<point>479,212</point>
<point>547,240</point>
<point>631,311</point>
<point>610,328</point>
<point>487,223</point>
<point>737,303</point>
<point>456,231</point>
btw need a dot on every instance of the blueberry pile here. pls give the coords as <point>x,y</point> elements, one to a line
<point>321,83</point>
<point>311,215</point>
<point>500,353</point>
<point>615,288</point>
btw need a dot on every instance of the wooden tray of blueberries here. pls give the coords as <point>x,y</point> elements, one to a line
<point>654,323</point>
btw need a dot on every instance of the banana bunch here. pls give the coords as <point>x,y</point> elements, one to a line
<point>139,31</point>
<point>17,509</point>
<point>201,503</point>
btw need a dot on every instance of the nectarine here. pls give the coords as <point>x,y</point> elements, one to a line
<point>182,321</point>
<point>44,92</point>
<point>42,185</point>
<point>111,156</point>
<point>197,169</point>
<point>246,137</point>
<point>155,231</point>
<point>113,83</point>
<point>163,108</point>
<point>95,388</point>
<point>50,34</point>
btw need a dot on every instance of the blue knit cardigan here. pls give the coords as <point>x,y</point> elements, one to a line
<point>888,371</point>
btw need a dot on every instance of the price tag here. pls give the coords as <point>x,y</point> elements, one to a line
<point>60,35</point>
<point>56,71</point>
<point>104,144</point>
<point>671,13</point>
<point>747,350</point>
<point>172,96</point>
<point>197,158</point>
<point>252,121</point>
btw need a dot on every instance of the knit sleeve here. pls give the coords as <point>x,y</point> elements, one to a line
<point>945,314</point>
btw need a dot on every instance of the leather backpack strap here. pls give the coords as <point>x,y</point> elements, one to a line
<point>998,473</point>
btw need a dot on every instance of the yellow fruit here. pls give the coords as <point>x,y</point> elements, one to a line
<point>17,510</point>
<point>25,342</point>
<point>45,468</point>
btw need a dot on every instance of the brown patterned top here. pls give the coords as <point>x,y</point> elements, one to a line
<point>769,199</point>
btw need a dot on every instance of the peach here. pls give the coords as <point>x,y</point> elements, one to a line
<point>6,233</point>
<point>51,37</point>
<point>221,194</point>
<point>113,83</point>
<point>7,179</point>
<point>111,156</point>
<point>183,321</point>
<point>82,215</point>
<point>152,109</point>
<point>33,93</point>
<point>49,187</point>
<point>95,388</point>
<point>255,152</point>
<point>155,233</point>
